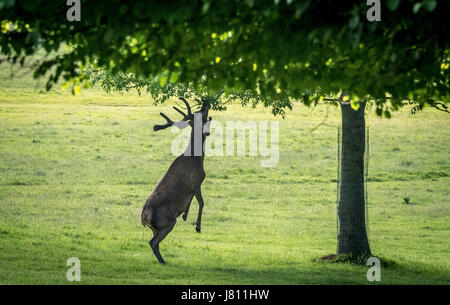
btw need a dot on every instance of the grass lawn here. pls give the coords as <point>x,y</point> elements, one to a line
<point>76,171</point>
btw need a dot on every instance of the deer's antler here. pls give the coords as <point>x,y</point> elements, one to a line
<point>187,116</point>
<point>168,124</point>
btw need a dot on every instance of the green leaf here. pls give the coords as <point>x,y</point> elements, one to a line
<point>7,3</point>
<point>250,2</point>
<point>205,7</point>
<point>353,22</point>
<point>355,105</point>
<point>174,77</point>
<point>392,4</point>
<point>109,34</point>
<point>416,7</point>
<point>163,81</point>
<point>301,8</point>
<point>429,5</point>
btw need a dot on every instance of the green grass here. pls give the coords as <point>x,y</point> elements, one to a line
<point>75,173</point>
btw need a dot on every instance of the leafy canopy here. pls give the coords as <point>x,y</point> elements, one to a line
<point>267,51</point>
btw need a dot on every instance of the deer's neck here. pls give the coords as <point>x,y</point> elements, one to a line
<point>196,146</point>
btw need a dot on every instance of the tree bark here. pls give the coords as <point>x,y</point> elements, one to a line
<point>352,235</point>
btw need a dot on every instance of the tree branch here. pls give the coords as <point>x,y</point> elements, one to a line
<point>439,104</point>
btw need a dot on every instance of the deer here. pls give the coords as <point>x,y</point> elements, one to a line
<point>173,194</point>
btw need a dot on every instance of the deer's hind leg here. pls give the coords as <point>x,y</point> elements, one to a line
<point>158,235</point>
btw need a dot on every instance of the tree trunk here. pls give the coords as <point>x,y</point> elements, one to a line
<point>352,235</point>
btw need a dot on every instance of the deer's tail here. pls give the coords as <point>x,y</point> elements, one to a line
<point>146,219</point>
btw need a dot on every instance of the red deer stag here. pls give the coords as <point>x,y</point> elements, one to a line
<point>173,194</point>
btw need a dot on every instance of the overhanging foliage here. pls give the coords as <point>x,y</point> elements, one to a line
<point>266,51</point>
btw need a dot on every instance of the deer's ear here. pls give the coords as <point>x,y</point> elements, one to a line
<point>181,124</point>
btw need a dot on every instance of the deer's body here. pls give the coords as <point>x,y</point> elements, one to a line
<point>173,194</point>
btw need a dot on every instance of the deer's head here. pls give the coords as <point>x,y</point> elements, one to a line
<point>189,118</point>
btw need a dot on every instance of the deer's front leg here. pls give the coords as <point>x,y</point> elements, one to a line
<point>198,196</point>
<point>185,214</point>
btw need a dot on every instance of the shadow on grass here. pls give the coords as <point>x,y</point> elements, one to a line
<point>315,271</point>
<point>358,260</point>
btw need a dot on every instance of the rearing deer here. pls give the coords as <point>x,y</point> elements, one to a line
<point>173,194</point>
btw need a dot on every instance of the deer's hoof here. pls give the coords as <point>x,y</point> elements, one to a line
<point>197,228</point>
<point>184,217</point>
